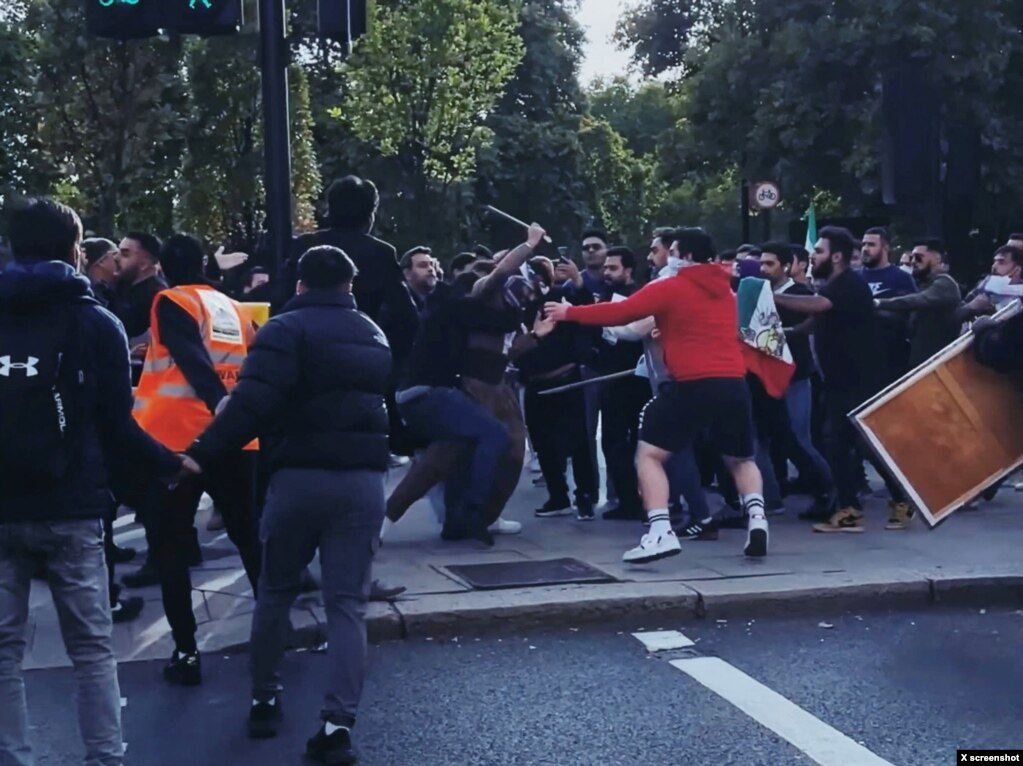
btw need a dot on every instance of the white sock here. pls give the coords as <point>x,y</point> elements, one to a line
<point>330,728</point>
<point>753,505</point>
<point>660,521</point>
<point>386,527</point>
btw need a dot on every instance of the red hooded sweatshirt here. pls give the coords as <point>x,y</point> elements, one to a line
<point>697,315</point>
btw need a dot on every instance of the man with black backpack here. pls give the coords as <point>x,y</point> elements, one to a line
<point>65,416</point>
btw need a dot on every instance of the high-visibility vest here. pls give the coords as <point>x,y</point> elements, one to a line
<point>166,406</point>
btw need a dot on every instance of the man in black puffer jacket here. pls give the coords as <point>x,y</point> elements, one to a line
<point>312,389</point>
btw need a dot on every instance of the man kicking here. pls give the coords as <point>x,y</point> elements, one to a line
<point>697,317</point>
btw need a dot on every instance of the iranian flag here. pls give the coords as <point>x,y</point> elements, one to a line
<point>764,347</point>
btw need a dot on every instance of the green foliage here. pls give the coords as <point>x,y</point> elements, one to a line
<point>422,82</point>
<point>107,117</point>
<point>790,90</point>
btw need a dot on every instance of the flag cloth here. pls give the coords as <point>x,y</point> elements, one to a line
<point>764,349</point>
<point>811,228</point>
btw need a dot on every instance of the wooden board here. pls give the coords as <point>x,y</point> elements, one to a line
<point>949,429</point>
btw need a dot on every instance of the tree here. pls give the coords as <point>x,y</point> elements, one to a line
<point>108,118</point>
<point>221,181</point>
<point>419,88</point>
<point>619,183</point>
<point>790,90</point>
<point>534,168</point>
<point>21,170</point>
<point>640,114</point>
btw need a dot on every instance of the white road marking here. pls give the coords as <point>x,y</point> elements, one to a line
<point>822,743</point>
<point>663,640</point>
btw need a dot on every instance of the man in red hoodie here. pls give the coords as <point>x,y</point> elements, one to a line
<point>697,317</point>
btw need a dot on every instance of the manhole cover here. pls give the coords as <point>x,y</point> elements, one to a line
<point>525,574</point>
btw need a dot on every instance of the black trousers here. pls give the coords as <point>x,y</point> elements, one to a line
<point>170,516</point>
<point>621,402</point>
<point>557,428</point>
<point>845,450</point>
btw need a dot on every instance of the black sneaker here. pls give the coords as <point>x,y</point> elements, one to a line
<point>584,509</point>
<point>264,718</point>
<point>333,749</point>
<point>145,576</point>
<point>700,530</point>
<point>553,508</point>
<point>823,508</point>
<point>127,609</point>
<point>184,669</point>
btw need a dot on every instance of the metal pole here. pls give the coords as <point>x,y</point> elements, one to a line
<point>276,137</point>
<point>744,194</point>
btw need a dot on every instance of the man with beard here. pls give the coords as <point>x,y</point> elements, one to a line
<point>696,314</point>
<point>933,321</point>
<point>844,337</point>
<point>482,366</point>
<point>888,281</point>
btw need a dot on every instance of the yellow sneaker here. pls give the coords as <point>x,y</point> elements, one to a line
<point>846,520</point>
<point>900,515</point>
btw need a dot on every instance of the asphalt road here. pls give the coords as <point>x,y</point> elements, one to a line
<point>906,689</point>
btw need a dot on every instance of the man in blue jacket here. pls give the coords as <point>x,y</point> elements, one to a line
<point>312,389</point>
<point>65,418</point>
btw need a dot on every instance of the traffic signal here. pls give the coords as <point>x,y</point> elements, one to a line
<point>203,17</point>
<point>345,20</point>
<point>123,19</point>
<point>128,19</point>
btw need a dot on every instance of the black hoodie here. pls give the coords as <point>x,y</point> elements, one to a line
<point>111,438</point>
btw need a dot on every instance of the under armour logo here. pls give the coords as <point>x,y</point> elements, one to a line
<point>6,365</point>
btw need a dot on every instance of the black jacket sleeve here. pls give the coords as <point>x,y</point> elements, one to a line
<point>1001,347</point>
<point>180,334</point>
<point>399,316</point>
<point>268,377</point>
<point>122,439</point>
<point>476,316</point>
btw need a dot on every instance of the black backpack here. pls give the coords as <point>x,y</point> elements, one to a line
<point>43,398</point>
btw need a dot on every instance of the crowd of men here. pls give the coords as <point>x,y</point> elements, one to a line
<point>291,427</point>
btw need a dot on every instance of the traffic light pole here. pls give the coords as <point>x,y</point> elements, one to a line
<point>276,136</point>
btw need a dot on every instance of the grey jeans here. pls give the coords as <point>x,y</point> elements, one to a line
<point>339,513</point>
<point>72,555</point>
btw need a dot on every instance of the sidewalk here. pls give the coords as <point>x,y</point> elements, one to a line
<point>974,556</point>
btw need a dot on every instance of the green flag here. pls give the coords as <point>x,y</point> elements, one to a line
<point>811,228</point>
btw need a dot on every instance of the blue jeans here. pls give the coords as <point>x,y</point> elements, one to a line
<point>72,553</point>
<point>799,402</point>
<point>446,414</point>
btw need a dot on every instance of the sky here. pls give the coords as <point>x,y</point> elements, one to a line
<point>599,18</point>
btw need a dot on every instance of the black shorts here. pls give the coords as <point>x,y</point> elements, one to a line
<point>681,411</point>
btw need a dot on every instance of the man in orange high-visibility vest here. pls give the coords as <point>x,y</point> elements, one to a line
<point>200,338</point>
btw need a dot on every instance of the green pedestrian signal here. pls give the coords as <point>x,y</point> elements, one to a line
<point>123,19</point>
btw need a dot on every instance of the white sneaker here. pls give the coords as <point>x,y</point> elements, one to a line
<point>756,537</point>
<point>505,527</point>
<point>653,548</point>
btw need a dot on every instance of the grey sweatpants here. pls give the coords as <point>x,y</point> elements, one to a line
<point>339,513</point>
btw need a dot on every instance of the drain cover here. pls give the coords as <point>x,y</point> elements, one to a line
<point>526,574</point>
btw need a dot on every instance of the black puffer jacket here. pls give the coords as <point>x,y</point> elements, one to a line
<point>312,389</point>
<point>110,441</point>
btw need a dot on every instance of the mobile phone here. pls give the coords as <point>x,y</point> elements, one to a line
<point>563,254</point>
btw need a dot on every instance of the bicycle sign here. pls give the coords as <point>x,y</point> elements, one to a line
<point>765,195</point>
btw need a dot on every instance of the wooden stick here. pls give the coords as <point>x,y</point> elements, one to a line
<point>512,219</point>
